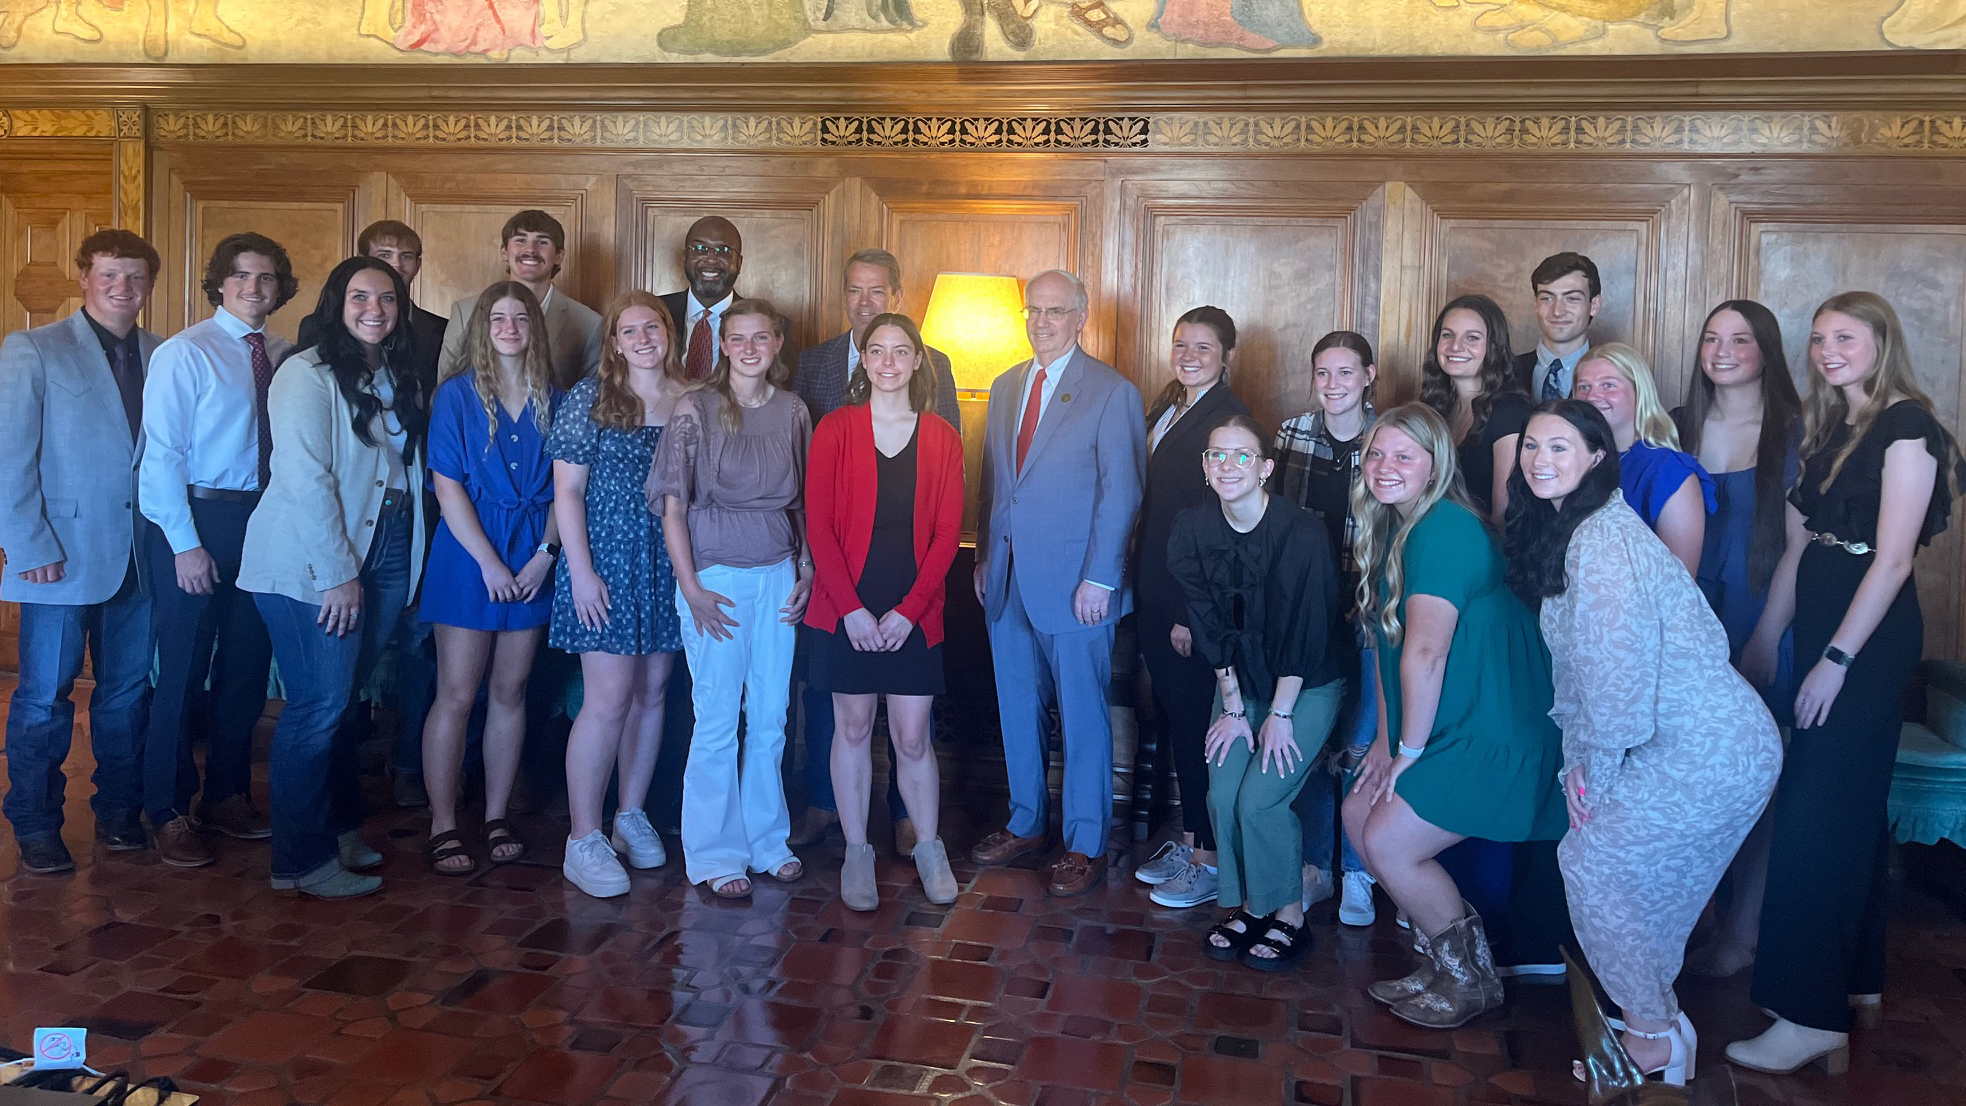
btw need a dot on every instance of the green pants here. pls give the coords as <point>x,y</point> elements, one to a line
<point>1260,844</point>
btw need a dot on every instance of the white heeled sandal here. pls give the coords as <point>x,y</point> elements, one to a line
<point>1680,1062</point>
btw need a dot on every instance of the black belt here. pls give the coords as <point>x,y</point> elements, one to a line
<point>223,495</point>
<point>395,500</point>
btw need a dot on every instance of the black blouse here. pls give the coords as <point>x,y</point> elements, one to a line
<point>1848,507</point>
<point>1264,603</point>
<point>1174,484</point>
<point>1508,415</point>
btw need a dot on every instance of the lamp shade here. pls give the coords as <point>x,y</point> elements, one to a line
<point>978,320</point>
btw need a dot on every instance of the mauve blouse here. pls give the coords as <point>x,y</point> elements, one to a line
<point>740,488</point>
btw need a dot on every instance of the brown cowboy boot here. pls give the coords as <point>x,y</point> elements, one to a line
<point>1392,991</point>
<point>1464,986</point>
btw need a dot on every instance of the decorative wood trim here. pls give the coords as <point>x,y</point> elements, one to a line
<point>60,123</point>
<point>132,169</point>
<point>1665,134</point>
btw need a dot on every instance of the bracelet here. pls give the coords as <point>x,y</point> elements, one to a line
<point>1283,714</point>
<point>1838,657</point>
<point>1409,751</point>
<point>1236,714</point>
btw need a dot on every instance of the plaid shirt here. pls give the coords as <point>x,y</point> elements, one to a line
<point>1306,454</point>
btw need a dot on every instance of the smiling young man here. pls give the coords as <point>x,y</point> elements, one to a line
<point>206,459</point>
<point>1569,295</point>
<point>533,245</point>
<point>71,422</point>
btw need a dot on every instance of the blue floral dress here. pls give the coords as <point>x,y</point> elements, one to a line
<point>624,536</point>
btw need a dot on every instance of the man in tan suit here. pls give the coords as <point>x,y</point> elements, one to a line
<point>533,245</point>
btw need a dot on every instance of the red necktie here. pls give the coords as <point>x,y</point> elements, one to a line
<point>262,380</point>
<point>1028,429</point>
<point>697,360</point>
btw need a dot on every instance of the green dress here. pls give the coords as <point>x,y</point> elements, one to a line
<point>1490,769</point>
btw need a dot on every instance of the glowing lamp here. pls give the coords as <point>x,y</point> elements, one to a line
<point>978,320</point>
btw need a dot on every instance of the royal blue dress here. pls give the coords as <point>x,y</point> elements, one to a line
<point>1650,475</point>
<point>509,478</point>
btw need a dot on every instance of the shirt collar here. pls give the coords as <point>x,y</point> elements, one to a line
<point>1570,360</point>
<point>107,337</point>
<point>234,325</point>
<point>1051,371</point>
<point>547,300</point>
<point>692,307</point>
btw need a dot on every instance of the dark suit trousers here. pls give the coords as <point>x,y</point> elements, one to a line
<point>187,628</point>
<point>1184,689</point>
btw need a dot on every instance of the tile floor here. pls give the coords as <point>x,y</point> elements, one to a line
<point>511,988</point>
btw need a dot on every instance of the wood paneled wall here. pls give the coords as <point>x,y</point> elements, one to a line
<point>1292,240</point>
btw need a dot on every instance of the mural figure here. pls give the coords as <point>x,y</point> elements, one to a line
<point>1015,26</point>
<point>736,28</point>
<point>1258,26</point>
<point>1540,25</point>
<point>69,20</point>
<point>861,15</point>
<point>1927,25</point>
<point>493,28</point>
<point>564,23</point>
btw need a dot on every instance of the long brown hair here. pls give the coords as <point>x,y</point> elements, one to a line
<point>1890,376</point>
<point>1497,373</point>
<point>732,415</point>
<point>615,403</point>
<point>1215,319</point>
<point>536,364</point>
<point>922,385</point>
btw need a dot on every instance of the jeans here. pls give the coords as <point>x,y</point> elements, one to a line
<point>188,627</point>
<point>734,817</point>
<point>1324,793</point>
<point>41,717</point>
<point>415,690</point>
<point>317,785</point>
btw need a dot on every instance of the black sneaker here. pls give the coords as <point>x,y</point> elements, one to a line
<point>46,855</point>
<point>123,835</point>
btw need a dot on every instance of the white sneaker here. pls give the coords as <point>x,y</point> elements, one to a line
<point>1172,859</point>
<point>1356,908</point>
<point>1317,885</point>
<point>1192,887</point>
<point>636,839</point>
<point>592,866</point>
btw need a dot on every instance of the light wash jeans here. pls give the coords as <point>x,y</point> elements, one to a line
<point>734,818</point>
<point>1317,804</point>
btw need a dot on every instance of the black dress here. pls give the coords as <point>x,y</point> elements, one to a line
<point>916,667</point>
<point>1507,415</point>
<point>1825,901</point>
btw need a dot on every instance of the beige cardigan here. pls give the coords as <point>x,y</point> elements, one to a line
<point>312,528</point>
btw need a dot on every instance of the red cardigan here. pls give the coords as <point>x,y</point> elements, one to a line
<point>841,483</point>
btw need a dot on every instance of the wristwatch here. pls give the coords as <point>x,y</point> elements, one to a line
<point>549,549</point>
<point>1838,657</point>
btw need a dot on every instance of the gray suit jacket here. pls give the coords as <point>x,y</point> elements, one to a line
<point>67,464</point>
<point>823,376</point>
<point>1069,515</point>
<point>573,329</point>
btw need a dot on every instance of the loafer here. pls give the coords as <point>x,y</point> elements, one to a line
<point>330,881</point>
<point>812,827</point>
<point>354,853</point>
<point>1076,873</point>
<point>123,835</point>
<point>46,855</point>
<point>905,837</point>
<point>1003,846</point>
<point>236,817</point>
<point>179,845</point>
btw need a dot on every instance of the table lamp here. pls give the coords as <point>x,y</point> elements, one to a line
<point>978,320</point>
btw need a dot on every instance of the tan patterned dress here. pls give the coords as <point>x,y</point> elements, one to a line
<point>1680,754</point>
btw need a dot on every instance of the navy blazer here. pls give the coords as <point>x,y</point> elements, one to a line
<point>1174,484</point>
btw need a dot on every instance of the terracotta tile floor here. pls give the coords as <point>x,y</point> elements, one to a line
<point>510,988</point>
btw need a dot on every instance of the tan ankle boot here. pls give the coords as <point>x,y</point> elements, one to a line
<point>858,890</point>
<point>1464,986</point>
<point>1391,991</point>
<point>932,861</point>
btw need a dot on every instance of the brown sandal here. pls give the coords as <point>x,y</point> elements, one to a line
<point>448,845</point>
<point>1103,22</point>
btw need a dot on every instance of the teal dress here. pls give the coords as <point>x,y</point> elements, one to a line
<point>1491,762</point>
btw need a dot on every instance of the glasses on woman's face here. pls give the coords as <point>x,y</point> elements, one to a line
<point>1240,458</point>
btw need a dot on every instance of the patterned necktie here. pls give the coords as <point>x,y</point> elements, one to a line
<point>697,360</point>
<point>262,380</point>
<point>1551,390</point>
<point>1033,407</point>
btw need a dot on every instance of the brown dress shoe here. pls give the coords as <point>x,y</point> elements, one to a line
<point>1003,846</point>
<point>812,827</point>
<point>179,845</point>
<point>1077,873</point>
<point>236,817</point>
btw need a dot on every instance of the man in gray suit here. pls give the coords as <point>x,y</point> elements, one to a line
<point>71,431</point>
<point>1063,462</point>
<point>533,244</point>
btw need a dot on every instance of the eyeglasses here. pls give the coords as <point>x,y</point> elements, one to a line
<point>1240,458</point>
<point>1054,314</point>
<point>701,248</point>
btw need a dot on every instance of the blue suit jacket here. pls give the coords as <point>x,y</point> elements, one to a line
<point>67,464</point>
<point>1069,514</point>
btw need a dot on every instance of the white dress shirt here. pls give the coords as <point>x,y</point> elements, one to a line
<point>1565,378</point>
<point>693,311</point>
<point>200,421</point>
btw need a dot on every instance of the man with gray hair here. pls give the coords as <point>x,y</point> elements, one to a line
<point>1064,460</point>
<point>873,287</point>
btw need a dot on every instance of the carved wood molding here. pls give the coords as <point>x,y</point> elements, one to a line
<point>69,123</point>
<point>1673,134</point>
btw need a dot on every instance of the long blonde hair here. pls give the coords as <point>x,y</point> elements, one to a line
<point>1826,408</point>
<point>1653,423</point>
<point>778,376</point>
<point>1380,548</point>
<point>536,363</point>
<point>615,403</point>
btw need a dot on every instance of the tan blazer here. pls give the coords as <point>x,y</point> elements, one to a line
<point>312,528</point>
<point>573,330</point>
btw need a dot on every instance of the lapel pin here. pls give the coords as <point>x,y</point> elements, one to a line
<point>1065,398</point>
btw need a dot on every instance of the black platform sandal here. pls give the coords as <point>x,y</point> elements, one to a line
<point>499,834</point>
<point>448,845</point>
<point>1290,944</point>
<point>1238,940</point>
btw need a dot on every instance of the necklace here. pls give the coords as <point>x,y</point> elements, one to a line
<point>766,398</point>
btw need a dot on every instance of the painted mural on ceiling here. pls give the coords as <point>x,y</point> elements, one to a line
<point>528,31</point>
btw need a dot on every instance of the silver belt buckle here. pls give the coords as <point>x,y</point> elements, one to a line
<point>1856,547</point>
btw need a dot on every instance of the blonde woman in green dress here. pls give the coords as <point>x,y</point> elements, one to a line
<point>1466,747</point>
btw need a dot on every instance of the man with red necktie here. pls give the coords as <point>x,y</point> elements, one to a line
<point>713,255</point>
